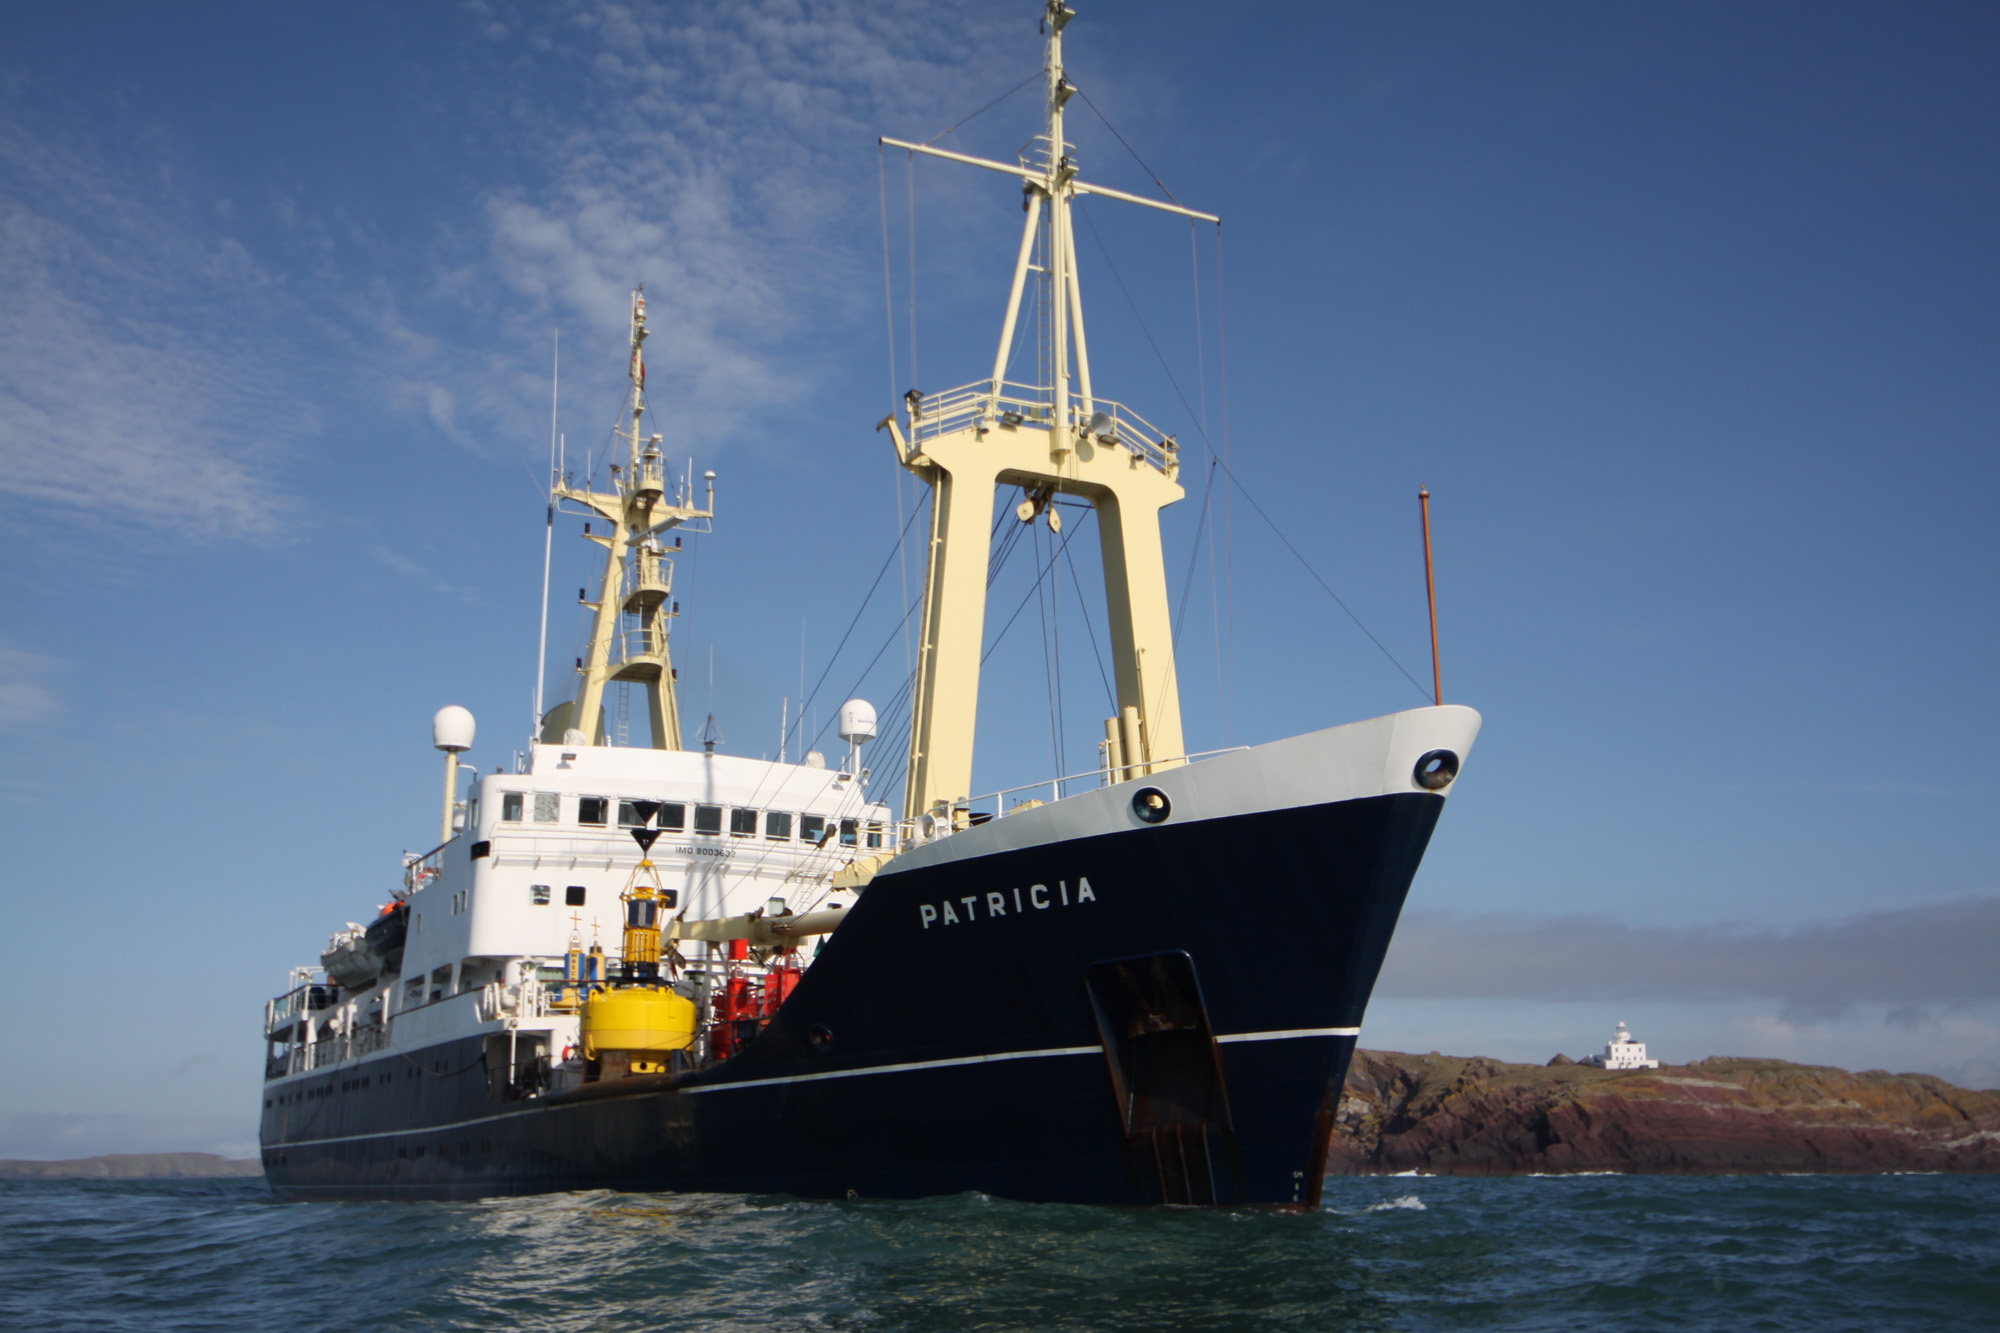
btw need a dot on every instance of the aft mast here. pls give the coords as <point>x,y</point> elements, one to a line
<point>628,639</point>
<point>1047,438</point>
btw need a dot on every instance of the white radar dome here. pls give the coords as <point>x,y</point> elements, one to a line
<point>857,721</point>
<point>451,729</point>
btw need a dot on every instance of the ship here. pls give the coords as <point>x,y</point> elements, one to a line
<point>657,967</point>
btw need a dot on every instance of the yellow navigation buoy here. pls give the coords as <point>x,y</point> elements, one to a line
<point>641,1019</point>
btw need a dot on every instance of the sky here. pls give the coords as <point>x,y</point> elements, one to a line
<point>1685,316</point>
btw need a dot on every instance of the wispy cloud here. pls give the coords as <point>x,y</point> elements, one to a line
<point>24,695</point>
<point>410,569</point>
<point>1908,958</point>
<point>721,156</point>
<point>128,392</point>
<point>171,342</point>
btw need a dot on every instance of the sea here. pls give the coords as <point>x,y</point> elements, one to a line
<point>1568,1252</point>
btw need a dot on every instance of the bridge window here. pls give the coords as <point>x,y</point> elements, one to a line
<point>874,835</point>
<point>591,809</point>
<point>708,819</point>
<point>850,832</point>
<point>548,807</point>
<point>672,816</point>
<point>510,807</point>
<point>778,825</point>
<point>812,828</point>
<point>742,823</point>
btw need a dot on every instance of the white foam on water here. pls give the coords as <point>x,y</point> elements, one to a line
<point>1406,1201</point>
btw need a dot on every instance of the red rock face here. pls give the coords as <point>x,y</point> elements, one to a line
<point>1453,1116</point>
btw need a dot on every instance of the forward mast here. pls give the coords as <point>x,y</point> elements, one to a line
<point>1050,437</point>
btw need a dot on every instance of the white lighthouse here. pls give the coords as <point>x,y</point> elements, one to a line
<point>1621,1052</point>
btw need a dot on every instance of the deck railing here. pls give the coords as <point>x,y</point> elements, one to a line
<point>1025,407</point>
<point>995,805</point>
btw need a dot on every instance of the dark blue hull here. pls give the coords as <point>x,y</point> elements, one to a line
<point>1151,1015</point>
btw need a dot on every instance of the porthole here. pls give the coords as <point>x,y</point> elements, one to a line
<point>1435,771</point>
<point>1151,805</point>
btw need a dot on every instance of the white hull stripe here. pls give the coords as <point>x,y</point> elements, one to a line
<point>897,1069</point>
<point>1281,1035</point>
<point>1284,1033</point>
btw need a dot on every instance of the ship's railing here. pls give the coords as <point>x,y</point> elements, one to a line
<point>648,474</point>
<point>649,573</point>
<point>1022,406</point>
<point>513,843</point>
<point>631,645</point>
<point>285,1009</point>
<point>526,999</point>
<point>297,1002</point>
<point>421,870</point>
<point>329,1051</point>
<point>997,805</point>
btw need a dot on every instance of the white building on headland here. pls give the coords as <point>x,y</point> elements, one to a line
<point>1621,1052</point>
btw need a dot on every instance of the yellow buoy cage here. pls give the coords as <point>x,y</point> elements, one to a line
<point>637,1019</point>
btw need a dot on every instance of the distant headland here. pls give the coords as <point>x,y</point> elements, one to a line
<point>1456,1115</point>
<point>133,1166</point>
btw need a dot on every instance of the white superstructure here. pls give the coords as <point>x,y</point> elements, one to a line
<point>543,857</point>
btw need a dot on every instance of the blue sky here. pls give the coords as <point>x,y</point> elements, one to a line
<point>1685,315</point>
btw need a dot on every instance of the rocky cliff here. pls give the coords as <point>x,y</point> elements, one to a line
<point>1450,1115</point>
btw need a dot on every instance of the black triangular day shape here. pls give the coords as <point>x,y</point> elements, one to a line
<point>645,837</point>
<point>645,810</point>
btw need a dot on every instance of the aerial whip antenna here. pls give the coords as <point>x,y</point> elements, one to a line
<point>1430,596</point>
<point>548,542</point>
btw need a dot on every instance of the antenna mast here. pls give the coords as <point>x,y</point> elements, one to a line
<point>1049,438</point>
<point>644,502</point>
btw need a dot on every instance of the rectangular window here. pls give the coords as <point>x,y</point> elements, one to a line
<point>510,807</point>
<point>538,894</point>
<point>850,832</point>
<point>777,825</point>
<point>671,816</point>
<point>742,823</point>
<point>874,836</point>
<point>812,828</point>
<point>591,809</point>
<point>441,982</point>
<point>413,991</point>
<point>573,896</point>
<point>708,819</point>
<point>548,807</point>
